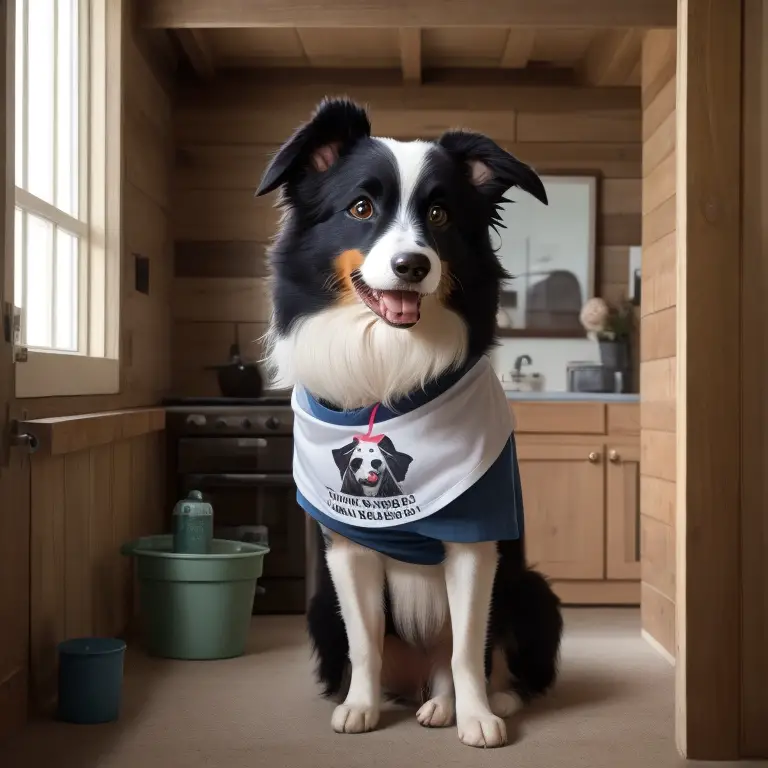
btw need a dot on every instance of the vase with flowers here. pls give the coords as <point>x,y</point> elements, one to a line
<point>611,326</point>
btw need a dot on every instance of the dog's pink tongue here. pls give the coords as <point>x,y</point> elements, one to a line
<point>372,477</point>
<point>400,307</point>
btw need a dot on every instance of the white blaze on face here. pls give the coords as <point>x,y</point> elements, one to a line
<point>404,234</point>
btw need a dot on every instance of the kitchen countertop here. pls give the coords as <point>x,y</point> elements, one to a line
<point>573,397</point>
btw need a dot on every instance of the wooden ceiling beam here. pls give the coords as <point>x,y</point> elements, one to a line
<point>410,54</point>
<point>612,57</point>
<point>197,51</point>
<point>518,48</point>
<point>402,13</point>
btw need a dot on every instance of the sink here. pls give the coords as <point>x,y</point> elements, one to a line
<point>522,382</point>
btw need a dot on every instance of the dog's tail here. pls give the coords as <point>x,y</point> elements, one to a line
<point>527,623</point>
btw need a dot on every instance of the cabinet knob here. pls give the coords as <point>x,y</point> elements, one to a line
<point>614,457</point>
<point>594,457</point>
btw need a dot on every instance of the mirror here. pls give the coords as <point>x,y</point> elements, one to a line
<point>550,252</point>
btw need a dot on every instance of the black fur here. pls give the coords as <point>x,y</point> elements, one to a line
<point>525,618</point>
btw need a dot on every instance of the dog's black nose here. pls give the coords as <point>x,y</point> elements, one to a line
<point>411,267</point>
<point>376,463</point>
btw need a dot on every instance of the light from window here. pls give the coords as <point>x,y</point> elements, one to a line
<point>51,249</point>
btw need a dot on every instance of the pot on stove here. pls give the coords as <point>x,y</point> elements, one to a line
<point>238,378</point>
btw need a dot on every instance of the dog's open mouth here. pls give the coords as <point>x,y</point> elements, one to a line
<point>370,479</point>
<point>398,308</point>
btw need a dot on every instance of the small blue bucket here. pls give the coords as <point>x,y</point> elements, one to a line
<point>90,679</point>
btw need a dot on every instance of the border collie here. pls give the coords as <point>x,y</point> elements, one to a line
<point>385,290</point>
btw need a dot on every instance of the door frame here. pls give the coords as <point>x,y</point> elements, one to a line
<point>722,374</point>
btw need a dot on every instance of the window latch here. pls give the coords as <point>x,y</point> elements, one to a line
<point>12,329</point>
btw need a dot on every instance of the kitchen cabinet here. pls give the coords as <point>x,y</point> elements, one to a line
<point>579,467</point>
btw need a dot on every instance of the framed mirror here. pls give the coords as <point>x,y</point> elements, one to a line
<point>550,250</point>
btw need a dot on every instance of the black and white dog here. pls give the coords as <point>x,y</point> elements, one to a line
<point>371,468</point>
<point>383,280</point>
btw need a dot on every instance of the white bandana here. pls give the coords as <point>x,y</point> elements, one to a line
<point>408,467</point>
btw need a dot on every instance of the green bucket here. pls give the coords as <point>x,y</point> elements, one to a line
<point>196,606</point>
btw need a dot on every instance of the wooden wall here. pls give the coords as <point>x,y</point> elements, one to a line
<point>226,132</point>
<point>148,153</point>
<point>658,339</point>
<point>86,502</point>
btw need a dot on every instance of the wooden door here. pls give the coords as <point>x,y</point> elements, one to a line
<point>564,500</point>
<point>14,463</point>
<point>622,502</point>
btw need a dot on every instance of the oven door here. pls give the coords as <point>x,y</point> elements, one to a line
<point>242,503</point>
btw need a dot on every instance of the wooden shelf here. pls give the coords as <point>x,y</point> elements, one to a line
<point>67,434</point>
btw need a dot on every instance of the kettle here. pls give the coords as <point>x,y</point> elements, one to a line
<point>237,378</point>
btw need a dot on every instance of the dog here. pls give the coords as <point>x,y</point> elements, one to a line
<point>371,469</point>
<point>385,290</point>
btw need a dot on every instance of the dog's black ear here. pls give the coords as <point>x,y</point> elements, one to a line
<point>342,456</point>
<point>397,462</point>
<point>490,168</point>
<point>335,126</point>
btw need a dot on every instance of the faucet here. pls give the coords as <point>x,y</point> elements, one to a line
<point>520,361</point>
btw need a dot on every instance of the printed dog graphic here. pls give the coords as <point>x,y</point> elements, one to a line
<point>371,466</point>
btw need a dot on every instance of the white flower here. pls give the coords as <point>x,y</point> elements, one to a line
<point>594,315</point>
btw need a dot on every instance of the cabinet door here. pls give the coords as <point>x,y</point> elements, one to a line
<point>564,501</point>
<point>623,512</point>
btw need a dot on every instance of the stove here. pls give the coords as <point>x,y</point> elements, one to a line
<point>239,453</point>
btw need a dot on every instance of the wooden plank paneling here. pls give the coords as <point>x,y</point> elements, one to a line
<point>657,500</point>
<point>85,505</point>
<point>659,222</point>
<point>613,125</point>
<point>657,543</point>
<point>48,587</point>
<point>659,185</point>
<point>659,333</point>
<point>657,614</point>
<point>77,545</point>
<point>101,539</point>
<point>225,258</point>
<point>660,144</point>
<point>658,454</point>
<point>659,275</point>
<point>221,300</point>
<point>658,385</point>
<point>197,345</point>
<point>623,196</point>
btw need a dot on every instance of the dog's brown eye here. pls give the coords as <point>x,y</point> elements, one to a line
<point>362,209</point>
<point>438,216</point>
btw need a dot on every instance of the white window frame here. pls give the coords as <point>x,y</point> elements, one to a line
<point>95,368</point>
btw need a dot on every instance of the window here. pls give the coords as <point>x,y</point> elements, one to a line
<point>67,166</point>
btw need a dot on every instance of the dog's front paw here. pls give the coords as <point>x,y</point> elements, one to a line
<point>483,730</point>
<point>437,712</point>
<point>349,718</point>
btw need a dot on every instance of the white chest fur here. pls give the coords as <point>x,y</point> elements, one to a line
<point>419,600</point>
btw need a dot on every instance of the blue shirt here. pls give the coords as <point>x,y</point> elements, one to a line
<point>490,510</point>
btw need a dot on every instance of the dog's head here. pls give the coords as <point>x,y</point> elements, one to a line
<point>390,242</point>
<point>369,462</point>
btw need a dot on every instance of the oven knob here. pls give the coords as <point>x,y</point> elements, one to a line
<point>196,420</point>
<point>246,423</point>
<point>221,423</point>
<point>272,423</point>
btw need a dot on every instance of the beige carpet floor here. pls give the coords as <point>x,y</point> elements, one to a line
<point>612,707</point>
